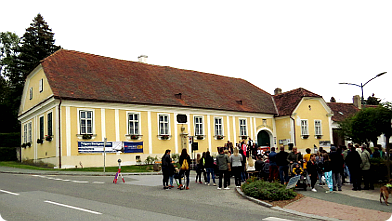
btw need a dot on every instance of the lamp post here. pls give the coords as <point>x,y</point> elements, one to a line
<point>363,85</point>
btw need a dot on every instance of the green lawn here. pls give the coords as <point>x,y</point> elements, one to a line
<point>124,169</point>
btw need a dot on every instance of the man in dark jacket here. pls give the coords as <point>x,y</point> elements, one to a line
<point>281,161</point>
<point>353,161</point>
<point>273,169</point>
<point>337,168</point>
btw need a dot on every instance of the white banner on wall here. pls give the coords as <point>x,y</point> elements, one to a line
<point>97,147</point>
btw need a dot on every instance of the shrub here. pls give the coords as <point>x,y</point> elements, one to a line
<point>263,190</point>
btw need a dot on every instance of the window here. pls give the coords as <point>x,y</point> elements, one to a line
<point>25,133</point>
<point>41,85</point>
<point>41,127</point>
<point>163,124</point>
<point>29,139</point>
<point>243,127</point>
<point>31,93</point>
<point>50,124</point>
<point>86,122</point>
<point>304,127</point>
<point>198,125</point>
<point>133,124</point>
<point>218,126</point>
<point>317,127</point>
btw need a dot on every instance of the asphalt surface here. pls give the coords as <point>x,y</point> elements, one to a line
<point>339,205</point>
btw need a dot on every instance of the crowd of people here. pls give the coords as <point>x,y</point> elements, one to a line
<point>341,164</point>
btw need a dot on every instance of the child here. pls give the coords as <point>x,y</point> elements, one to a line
<point>297,170</point>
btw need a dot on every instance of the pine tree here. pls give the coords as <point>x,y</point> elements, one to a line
<point>37,44</point>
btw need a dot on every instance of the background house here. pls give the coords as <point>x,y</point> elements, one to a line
<point>303,120</point>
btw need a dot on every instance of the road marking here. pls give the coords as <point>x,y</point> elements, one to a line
<point>275,219</point>
<point>16,194</point>
<point>76,181</point>
<point>73,207</point>
<point>98,182</point>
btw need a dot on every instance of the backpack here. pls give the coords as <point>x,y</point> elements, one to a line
<point>266,167</point>
<point>185,165</point>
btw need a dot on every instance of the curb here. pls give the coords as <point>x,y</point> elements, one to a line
<point>262,203</point>
<point>76,174</point>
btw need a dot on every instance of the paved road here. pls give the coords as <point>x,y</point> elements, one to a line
<point>59,197</point>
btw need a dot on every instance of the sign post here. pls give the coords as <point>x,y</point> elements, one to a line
<point>104,154</point>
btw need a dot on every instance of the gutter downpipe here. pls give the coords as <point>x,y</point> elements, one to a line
<point>59,135</point>
<point>294,143</point>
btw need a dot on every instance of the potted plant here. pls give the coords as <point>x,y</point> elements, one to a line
<point>134,136</point>
<point>164,137</point>
<point>305,136</point>
<point>199,137</point>
<point>28,144</point>
<point>219,137</point>
<point>40,141</point>
<point>244,137</point>
<point>48,138</point>
<point>319,136</point>
<point>87,136</point>
<point>23,145</point>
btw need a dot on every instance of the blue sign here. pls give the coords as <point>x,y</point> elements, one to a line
<point>133,147</point>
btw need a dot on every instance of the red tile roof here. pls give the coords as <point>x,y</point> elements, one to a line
<point>342,110</point>
<point>286,102</point>
<point>82,76</point>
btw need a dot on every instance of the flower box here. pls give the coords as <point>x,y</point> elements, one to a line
<point>219,137</point>
<point>319,136</point>
<point>48,138</point>
<point>87,136</point>
<point>40,141</point>
<point>28,144</point>
<point>199,137</point>
<point>164,137</point>
<point>305,136</point>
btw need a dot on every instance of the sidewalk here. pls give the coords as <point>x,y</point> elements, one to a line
<point>340,205</point>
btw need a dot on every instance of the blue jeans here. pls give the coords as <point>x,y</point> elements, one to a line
<point>208,171</point>
<point>284,171</point>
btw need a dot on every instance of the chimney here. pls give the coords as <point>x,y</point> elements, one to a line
<point>277,91</point>
<point>357,101</point>
<point>143,58</point>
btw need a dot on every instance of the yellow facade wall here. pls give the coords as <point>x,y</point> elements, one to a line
<point>38,96</point>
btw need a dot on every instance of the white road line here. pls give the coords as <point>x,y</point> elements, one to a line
<point>76,181</point>
<point>98,182</point>
<point>16,194</point>
<point>275,219</point>
<point>73,207</point>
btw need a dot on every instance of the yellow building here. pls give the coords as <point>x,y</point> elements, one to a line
<point>304,119</point>
<point>72,101</point>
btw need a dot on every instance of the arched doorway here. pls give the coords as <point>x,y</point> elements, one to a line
<point>263,139</point>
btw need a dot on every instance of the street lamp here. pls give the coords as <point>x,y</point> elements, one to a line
<point>363,85</point>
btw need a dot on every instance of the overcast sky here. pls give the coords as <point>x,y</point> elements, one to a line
<point>287,44</point>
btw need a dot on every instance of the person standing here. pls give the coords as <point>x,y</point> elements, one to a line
<point>273,167</point>
<point>312,171</point>
<point>353,161</point>
<point>327,169</point>
<point>236,163</point>
<point>166,161</point>
<point>306,160</point>
<point>209,168</point>
<point>281,161</point>
<point>184,156</point>
<point>223,160</point>
<point>365,167</point>
<point>199,165</point>
<point>337,168</point>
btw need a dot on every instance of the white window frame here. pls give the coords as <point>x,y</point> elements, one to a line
<point>198,125</point>
<point>218,127</point>
<point>243,127</point>
<point>134,121</point>
<point>318,127</point>
<point>80,121</point>
<point>31,93</point>
<point>304,127</point>
<point>166,123</point>
<point>25,133</point>
<point>29,132</point>
<point>41,85</point>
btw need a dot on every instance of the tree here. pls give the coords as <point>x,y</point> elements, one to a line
<point>372,100</point>
<point>37,44</point>
<point>9,43</point>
